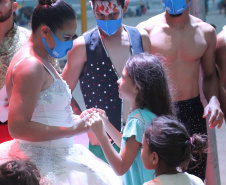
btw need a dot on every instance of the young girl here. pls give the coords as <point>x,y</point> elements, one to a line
<point>144,84</point>
<point>168,149</point>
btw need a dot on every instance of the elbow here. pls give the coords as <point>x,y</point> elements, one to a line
<point>121,171</point>
<point>14,131</point>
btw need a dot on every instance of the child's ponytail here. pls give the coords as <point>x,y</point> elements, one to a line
<point>195,146</point>
<point>175,148</point>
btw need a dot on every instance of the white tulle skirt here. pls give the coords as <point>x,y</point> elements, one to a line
<point>74,165</point>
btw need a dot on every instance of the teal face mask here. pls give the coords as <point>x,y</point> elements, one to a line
<point>61,48</point>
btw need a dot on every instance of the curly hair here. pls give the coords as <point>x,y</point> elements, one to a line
<point>149,76</point>
<point>170,140</point>
<point>19,172</point>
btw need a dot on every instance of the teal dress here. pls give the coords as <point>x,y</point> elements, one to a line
<point>137,121</point>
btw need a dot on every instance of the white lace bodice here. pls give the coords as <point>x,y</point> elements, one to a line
<point>53,106</point>
<point>53,109</point>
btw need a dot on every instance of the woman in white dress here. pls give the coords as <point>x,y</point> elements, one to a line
<point>41,120</point>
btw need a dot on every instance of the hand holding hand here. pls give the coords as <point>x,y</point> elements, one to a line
<point>96,124</point>
<point>216,114</point>
<point>103,115</point>
<point>82,121</point>
<point>86,112</point>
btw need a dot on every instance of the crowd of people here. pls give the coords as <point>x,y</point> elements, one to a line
<point>144,117</point>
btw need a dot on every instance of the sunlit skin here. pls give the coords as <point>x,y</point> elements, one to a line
<point>186,43</point>
<point>30,78</point>
<point>146,155</point>
<point>127,88</point>
<point>67,32</point>
<point>221,63</point>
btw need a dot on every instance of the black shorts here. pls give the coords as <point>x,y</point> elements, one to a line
<point>190,113</point>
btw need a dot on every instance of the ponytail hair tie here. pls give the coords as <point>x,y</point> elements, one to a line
<point>191,140</point>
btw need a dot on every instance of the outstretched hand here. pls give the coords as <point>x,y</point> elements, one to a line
<point>103,115</point>
<point>96,124</point>
<point>216,115</point>
<point>86,112</point>
<point>78,120</point>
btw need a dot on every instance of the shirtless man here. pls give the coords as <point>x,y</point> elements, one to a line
<point>187,42</point>
<point>97,60</point>
<point>221,63</point>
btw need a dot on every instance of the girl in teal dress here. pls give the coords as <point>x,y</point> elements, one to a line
<point>144,84</point>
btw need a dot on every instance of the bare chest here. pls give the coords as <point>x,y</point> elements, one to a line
<point>178,45</point>
<point>118,54</point>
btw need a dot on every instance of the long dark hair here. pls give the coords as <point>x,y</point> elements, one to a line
<point>148,74</point>
<point>52,13</point>
<point>170,140</point>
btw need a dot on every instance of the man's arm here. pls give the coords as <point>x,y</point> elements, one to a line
<point>210,81</point>
<point>221,64</point>
<point>74,67</point>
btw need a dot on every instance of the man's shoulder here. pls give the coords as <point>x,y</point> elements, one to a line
<point>152,22</point>
<point>221,38</point>
<point>204,26</point>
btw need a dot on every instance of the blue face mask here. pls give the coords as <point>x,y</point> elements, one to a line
<point>175,6</point>
<point>109,26</point>
<point>61,48</point>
